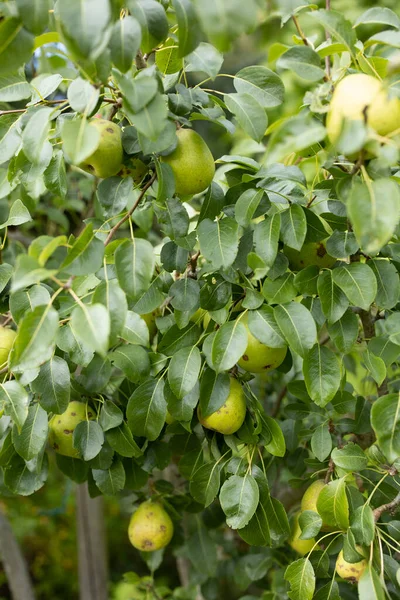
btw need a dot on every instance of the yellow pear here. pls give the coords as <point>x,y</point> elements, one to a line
<point>301,546</point>
<point>62,427</point>
<point>150,527</point>
<point>309,500</point>
<point>229,418</point>
<point>7,337</point>
<point>259,358</point>
<point>351,571</point>
<point>362,97</point>
<point>312,253</point>
<point>192,163</point>
<point>106,160</point>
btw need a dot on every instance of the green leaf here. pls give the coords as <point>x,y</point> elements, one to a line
<point>110,416</point>
<point>14,401</point>
<point>80,140</point>
<point>55,177</point>
<point>10,136</point>
<point>205,59</point>
<point>202,551</point>
<point>82,96</point>
<point>370,586</point>
<point>153,21</point>
<point>358,282</point>
<point>86,254</point>
<point>266,238</point>
<point>184,370</point>
<point>204,485</point>
<point>189,34</point>
<point>167,58</point>
<point>260,83</point>
<point>35,142</point>
<point>90,323</point>
<point>52,385</point>
<point>247,205</point>
<point>249,113</point>
<point>294,135</point>
<point>321,370</point>
<point>293,226</point>
<point>16,45</point>
<point>133,361</point>
<point>32,436</point>
<point>135,330</point>
<point>113,298</point>
<point>43,86</point>
<point>332,504</point>
<point>350,457</point>
<point>263,326</point>
<point>374,210</point>
<point>21,480</point>
<point>134,262</point>
<point>18,214</point>
<point>121,440</point>
<point>185,294</point>
<point>297,325</point>
<point>375,366</point>
<point>125,41</point>
<point>219,241</point>
<point>88,439</point>
<point>112,480</point>
<point>300,575</point>
<point>388,282</point>
<point>27,272</point>
<point>385,420</point>
<point>6,271</point>
<point>363,525</point>
<point>334,303</point>
<point>147,409</point>
<point>23,301</point>
<point>214,390</point>
<point>341,244</point>
<point>14,87</point>
<point>229,344</point>
<point>35,340</point>
<point>280,290</point>
<point>344,332</point>
<point>277,445</point>
<point>338,27</point>
<point>84,26</point>
<point>310,524</point>
<point>380,15</point>
<point>321,442</point>
<point>303,61</point>
<point>239,498</point>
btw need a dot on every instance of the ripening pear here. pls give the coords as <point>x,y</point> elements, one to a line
<point>312,253</point>
<point>351,571</point>
<point>150,527</point>
<point>62,427</point>
<point>229,418</point>
<point>106,160</point>
<point>259,358</point>
<point>7,337</point>
<point>192,163</point>
<point>301,546</point>
<point>310,498</point>
<point>362,97</point>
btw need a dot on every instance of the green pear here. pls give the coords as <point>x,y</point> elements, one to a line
<point>192,163</point>
<point>106,160</point>
<point>351,571</point>
<point>7,337</point>
<point>62,427</point>
<point>259,358</point>
<point>301,546</point>
<point>229,418</point>
<point>309,500</point>
<point>150,527</point>
<point>362,97</point>
<point>312,253</point>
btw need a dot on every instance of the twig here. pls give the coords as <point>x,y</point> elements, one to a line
<point>140,61</point>
<point>386,507</point>
<point>368,324</point>
<point>130,212</point>
<point>330,470</point>
<point>328,39</point>
<point>299,30</point>
<point>278,402</point>
<point>115,108</point>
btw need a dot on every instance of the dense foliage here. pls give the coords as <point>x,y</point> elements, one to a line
<point>217,343</point>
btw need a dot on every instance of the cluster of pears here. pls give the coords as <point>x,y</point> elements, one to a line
<point>62,427</point>
<point>349,571</point>
<point>150,527</point>
<point>7,337</point>
<point>362,97</point>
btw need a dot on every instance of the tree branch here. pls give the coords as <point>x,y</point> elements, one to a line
<point>140,61</point>
<point>368,323</point>
<point>300,31</point>
<point>14,563</point>
<point>390,506</point>
<point>130,212</point>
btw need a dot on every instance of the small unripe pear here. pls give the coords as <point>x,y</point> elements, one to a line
<point>350,571</point>
<point>362,97</point>
<point>106,160</point>
<point>192,163</point>
<point>312,253</point>
<point>259,358</point>
<point>229,418</point>
<point>7,337</point>
<point>150,527</point>
<point>62,427</point>
<point>301,546</point>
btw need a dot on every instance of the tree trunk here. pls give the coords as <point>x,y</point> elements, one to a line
<point>14,563</point>
<point>92,553</point>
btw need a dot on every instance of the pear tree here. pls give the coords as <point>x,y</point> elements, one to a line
<point>200,292</point>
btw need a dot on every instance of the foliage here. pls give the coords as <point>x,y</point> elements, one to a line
<point>139,303</point>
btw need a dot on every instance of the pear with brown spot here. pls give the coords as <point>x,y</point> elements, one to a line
<point>150,527</point>
<point>229,418</point>
<point>62,427</point>
<point>106,160</point>
<point>259,358</point>
<point>311,253</point>
<point>351,571</point>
